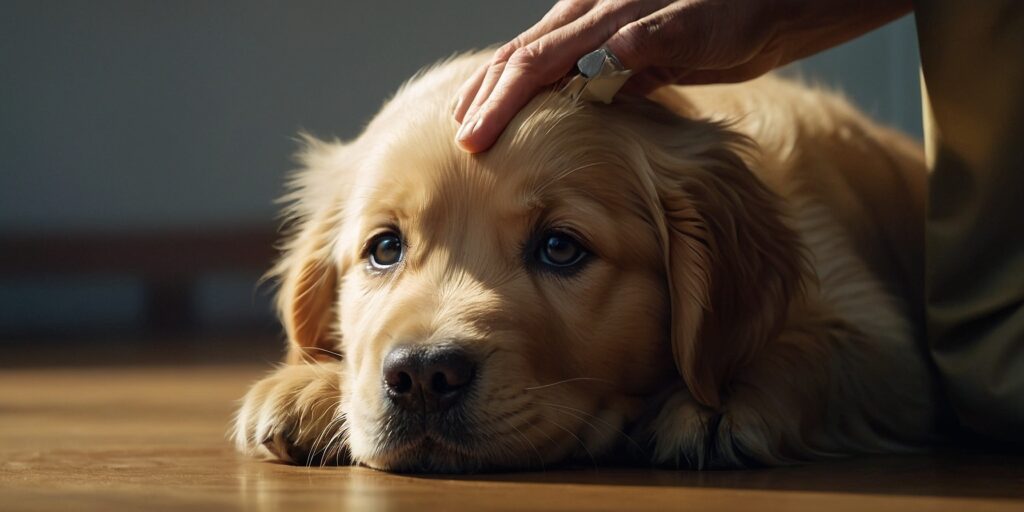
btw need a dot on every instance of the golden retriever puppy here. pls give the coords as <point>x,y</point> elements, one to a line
<point>719,276</point>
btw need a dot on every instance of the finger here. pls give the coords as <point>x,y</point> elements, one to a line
<point>467,92</point>
<point>560,15</point>
<point>538,64</point>
<point>570,41</point>
<point>482,82</point>
<point>491,76</point>
<point>674,36</point>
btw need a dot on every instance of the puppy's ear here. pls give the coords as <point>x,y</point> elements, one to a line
<point>732,262</point>
<point>307,271</point>
<point>307,298</point>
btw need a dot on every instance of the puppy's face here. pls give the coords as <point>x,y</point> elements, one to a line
<point>504,310</point>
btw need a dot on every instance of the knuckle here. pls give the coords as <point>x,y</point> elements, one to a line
<point>559,9</point>
<point>638,38</point>
<point>640,30</point>
<point>567,5</point>
<point>503,53</point>
<point>525,58</point>
<point>604,10</point>
<point>506,50</point>
<point>491,105</point>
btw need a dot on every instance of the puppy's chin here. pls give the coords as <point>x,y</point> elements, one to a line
<point>412,447</point>
<point>430,455</point>
<point>424,456</point>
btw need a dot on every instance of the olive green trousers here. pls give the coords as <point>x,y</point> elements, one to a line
<point>972,62</point>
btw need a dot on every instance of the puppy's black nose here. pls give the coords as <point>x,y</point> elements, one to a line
<point>427,378</point>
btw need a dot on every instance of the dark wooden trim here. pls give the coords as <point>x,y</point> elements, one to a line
<point>150,254</point>
<point>168,262</point>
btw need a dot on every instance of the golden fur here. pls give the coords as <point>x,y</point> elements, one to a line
<point>752,298</point>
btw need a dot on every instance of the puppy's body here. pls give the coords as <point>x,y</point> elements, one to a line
<point>747,288</point>
<point>814,146</point>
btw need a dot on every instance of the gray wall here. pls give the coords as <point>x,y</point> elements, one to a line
<point>146,114</point>
<point>879,72</point>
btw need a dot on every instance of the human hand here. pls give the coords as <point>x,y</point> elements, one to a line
<point>662,42</point>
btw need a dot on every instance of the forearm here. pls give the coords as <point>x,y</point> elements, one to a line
<point>805,27</point>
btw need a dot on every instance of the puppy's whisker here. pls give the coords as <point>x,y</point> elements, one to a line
<point>551,441</point>
<point>315,365</point>
<point>343,441</point>
<point>313,447</point>
<point>330,352</point>
<point>331,446</point>
<point>503,449</point>
<point>332,409</point>
<point>313,450</point>
<point>566,409</point>
<point>566,381</point>
<point>308,359</point>
<point>528,442</point>
<point>304,414</point>
<point>577,438</point>
<point>334,445</point>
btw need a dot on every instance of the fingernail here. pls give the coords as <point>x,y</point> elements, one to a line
<point>468,127</point>
<point>455,109</point>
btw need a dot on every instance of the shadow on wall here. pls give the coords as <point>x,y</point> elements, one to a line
<point>131,130</point>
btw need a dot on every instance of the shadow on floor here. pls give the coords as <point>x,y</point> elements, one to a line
<point>953,474</point>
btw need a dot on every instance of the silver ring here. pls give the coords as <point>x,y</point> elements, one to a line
<point>599,61</point>
<point>601,76</point>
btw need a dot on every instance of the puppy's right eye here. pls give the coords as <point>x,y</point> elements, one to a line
<point>560,252</point>
<point>385,250</point>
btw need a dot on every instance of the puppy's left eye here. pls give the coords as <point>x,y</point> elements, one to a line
<point>385,250</point>
<point>560,251</point>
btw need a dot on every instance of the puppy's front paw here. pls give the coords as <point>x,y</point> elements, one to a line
<point>687,434</point>
<point>292,415</point>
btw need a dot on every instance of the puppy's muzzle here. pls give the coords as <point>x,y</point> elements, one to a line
<point>425,380</point>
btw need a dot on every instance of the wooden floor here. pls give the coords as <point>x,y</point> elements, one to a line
<point>153,438</point>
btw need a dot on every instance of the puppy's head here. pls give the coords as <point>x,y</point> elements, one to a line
<point>521,307</point>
